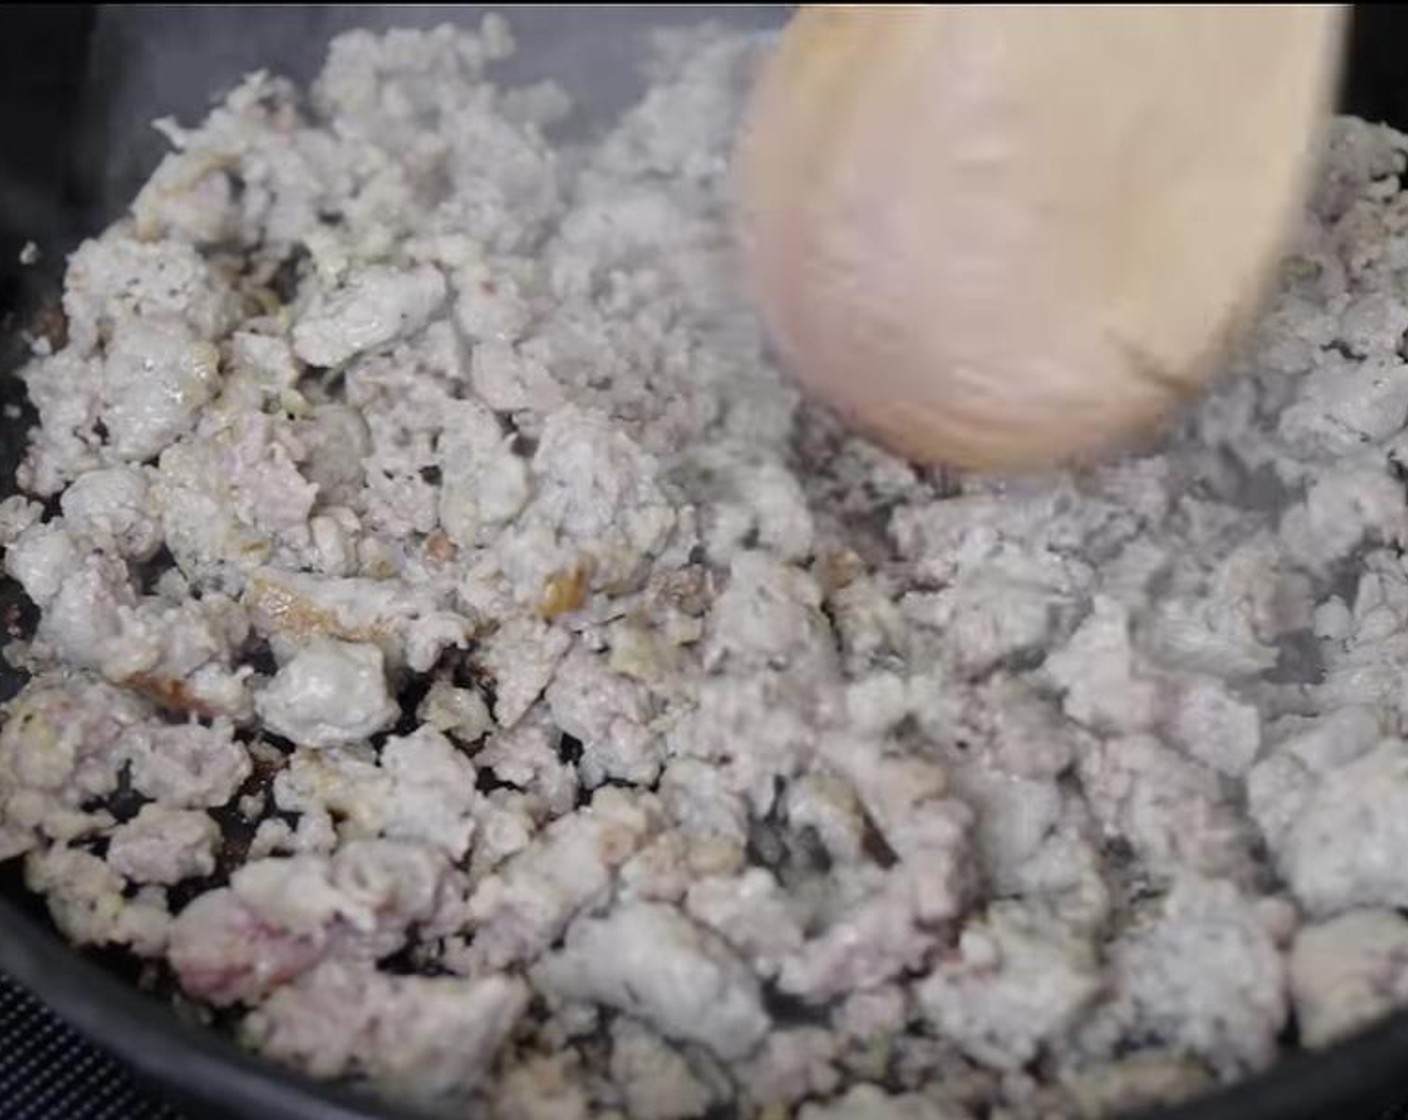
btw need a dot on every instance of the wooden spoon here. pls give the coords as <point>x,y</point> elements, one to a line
<point>1003,237</point>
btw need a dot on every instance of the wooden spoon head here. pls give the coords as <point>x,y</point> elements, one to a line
<point>1003,237</point>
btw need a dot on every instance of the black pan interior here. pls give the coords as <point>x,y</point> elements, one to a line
<point>78,84</point>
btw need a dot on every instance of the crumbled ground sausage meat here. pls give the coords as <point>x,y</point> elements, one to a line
<point>467,662</point>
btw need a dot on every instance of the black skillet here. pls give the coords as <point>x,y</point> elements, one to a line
<point>78,84</point>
